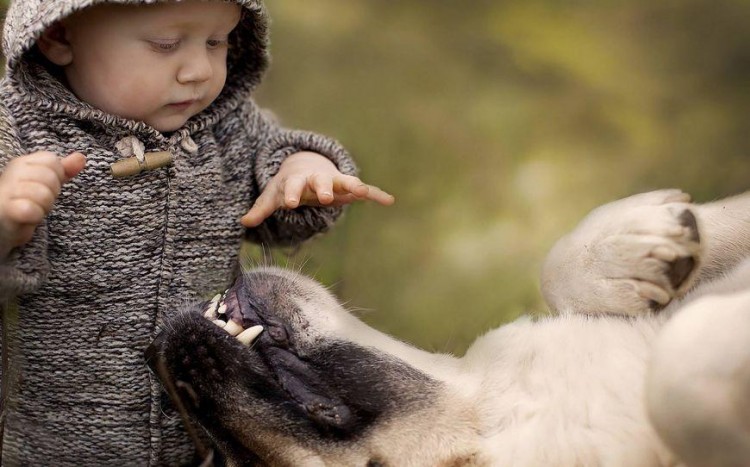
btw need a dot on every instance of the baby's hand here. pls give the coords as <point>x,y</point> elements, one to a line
<point>309,179</point>
<point>29,186</point>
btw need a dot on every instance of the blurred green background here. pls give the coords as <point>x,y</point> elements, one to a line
<point>498,125</point>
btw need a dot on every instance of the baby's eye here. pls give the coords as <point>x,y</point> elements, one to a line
<point>165,46</point>
<point>216,43</point>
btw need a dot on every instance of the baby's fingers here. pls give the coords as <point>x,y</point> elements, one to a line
<point>44,167</point>
<point>350,184</point>
<point>41,168</point>
<point>263,207</point>
<point>72,165</point>
<point>322,186</point>
<point>379,196</point>
<point>24,211</point>
<point>36,193</point>
<point>294,189</point>
<point>355,186</point>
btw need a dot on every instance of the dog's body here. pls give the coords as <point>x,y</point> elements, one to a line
<point>319,387</point>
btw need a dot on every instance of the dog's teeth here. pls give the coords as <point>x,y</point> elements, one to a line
<point>219,323</point>
<point>210,312</point>
<point>232,328</point>
<point>222,309</point>
<point>250,334</point>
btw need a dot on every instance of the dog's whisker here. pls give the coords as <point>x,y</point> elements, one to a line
<point>303,265</point>
<point>358,310</point>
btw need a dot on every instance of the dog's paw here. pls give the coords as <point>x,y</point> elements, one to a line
<point>629,257</point>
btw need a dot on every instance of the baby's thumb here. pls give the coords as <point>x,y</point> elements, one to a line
<point>73,164</point>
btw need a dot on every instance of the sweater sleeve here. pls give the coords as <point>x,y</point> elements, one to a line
<point>290,227</point>
<point>25,268</point>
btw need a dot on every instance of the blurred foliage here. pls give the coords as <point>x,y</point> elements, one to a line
<point>498,125</point>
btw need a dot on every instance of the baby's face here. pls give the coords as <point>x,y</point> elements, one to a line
<point>160,63</point>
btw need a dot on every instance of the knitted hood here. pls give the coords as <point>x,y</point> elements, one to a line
<point>27,19</point>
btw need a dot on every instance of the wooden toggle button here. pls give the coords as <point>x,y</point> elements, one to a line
<point>132,166</point>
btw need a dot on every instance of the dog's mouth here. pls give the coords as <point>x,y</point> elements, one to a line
<point>254,365</point>
<point>248,317</point>
<point>231,320</point>
<point>268,356</point>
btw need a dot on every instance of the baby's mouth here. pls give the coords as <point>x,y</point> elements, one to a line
<point>231,322</point>
<point>183,104</point>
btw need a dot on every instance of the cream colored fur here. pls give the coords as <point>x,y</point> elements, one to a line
<point>571,390</point>
<point>698,385</point>
<point>562,391</point>
<point>604,382</point>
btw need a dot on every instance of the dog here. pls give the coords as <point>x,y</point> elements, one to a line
<point>644,362</point>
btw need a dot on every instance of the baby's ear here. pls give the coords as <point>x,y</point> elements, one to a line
<point>54,45</point>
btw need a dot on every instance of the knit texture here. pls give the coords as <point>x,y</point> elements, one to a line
<point>117,255</point>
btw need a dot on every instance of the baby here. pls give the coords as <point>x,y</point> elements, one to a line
<point>157,97</point>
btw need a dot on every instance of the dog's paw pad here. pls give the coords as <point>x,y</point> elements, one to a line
<point>680,270</point>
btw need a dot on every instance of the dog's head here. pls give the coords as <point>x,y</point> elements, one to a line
<point>294,379</point>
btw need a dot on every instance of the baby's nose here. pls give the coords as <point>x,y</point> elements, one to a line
<point>196,68</point>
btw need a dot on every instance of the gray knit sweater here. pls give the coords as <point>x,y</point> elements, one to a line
<point>116,255</point>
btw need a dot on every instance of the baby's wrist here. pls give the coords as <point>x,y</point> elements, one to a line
<point>9,237</point>
<point>4,254</point>
<point>6,244</point>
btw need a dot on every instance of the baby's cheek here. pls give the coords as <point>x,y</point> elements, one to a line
<point>217,86</point>
<point>139,101</point>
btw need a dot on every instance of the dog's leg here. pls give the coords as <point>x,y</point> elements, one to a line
<point>698,385</point>
<point>628,257</point>
<point>725,230</point>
